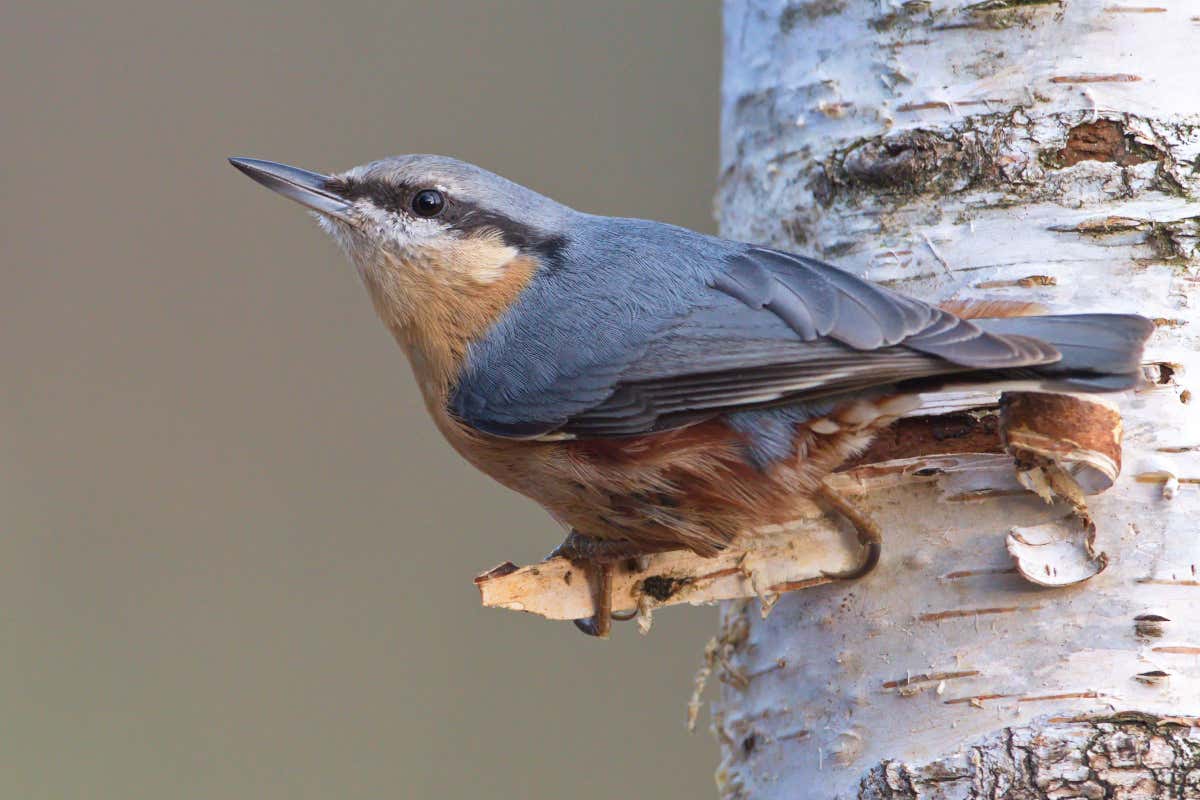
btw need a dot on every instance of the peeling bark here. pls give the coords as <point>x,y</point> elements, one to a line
<point>1016,151</point>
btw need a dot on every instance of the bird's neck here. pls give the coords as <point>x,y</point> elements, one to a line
<point>435,315</point>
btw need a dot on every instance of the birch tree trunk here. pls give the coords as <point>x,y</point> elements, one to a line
<point>1039,151</point>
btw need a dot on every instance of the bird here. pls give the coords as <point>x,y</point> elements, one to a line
<point>652,387</point>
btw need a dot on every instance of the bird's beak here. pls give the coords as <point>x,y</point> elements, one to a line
<point>306,188</point>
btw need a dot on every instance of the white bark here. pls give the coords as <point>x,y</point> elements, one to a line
<point>1026,150</point>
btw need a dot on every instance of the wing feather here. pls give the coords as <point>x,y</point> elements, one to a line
<point>761,328</point>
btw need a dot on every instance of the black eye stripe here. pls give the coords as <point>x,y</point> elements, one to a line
<point>384,195</point>
<point>457,214</point>
<point>399,199</point>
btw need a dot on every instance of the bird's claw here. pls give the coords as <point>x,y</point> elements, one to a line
<point>596,559</point>
<point>869,562</point>
<point>869,535</point>
<point>591,627</point>
<point>599,624</point>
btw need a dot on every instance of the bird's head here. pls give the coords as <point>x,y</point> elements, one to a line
<point>444,247</point>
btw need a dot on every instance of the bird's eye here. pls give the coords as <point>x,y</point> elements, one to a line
<point>428,203</point>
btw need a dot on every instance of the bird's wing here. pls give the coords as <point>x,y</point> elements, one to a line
<point>765,328</point>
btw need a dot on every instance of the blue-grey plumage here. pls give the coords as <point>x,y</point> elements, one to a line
<point>632,334</point>
<point>647,383</point>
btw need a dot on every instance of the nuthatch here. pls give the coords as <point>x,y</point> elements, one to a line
<point>652,387</point>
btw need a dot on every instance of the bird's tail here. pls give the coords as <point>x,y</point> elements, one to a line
<point>1100,352</point>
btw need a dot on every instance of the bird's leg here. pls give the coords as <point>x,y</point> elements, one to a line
<point>599,575</point>
<point>869,535</point>
<point>596,558</point>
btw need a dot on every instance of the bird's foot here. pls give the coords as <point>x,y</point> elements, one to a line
<point>869,534</point>
<point>597,558</point>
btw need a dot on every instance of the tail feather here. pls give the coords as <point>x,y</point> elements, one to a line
<point>1100,352</point>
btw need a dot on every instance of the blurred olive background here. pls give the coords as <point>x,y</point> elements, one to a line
<point>235,557</point>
